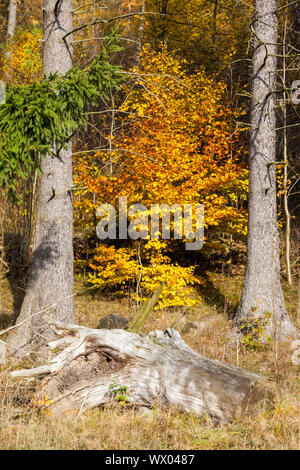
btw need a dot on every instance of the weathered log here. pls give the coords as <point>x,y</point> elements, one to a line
<point>159,368</point>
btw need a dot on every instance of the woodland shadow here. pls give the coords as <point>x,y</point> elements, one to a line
<point>19,260</point>
<point>6,320</point>
<point>18,264</point>
<point>225,304</point>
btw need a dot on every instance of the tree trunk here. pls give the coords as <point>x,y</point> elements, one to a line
<point>140,35</point>
<point>262,291</point>
<point>215,13</point>
<point>50,285</point>
<point>158,369</point>
<point>11,28</point>
<point>12,19</point>
<point>286,161</point>
<point>164,12</point>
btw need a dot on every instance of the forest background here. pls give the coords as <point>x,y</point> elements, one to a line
<point>175,131</point>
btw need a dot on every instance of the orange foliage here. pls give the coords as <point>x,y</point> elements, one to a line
<point>22,61</point>
<point>178,148</point>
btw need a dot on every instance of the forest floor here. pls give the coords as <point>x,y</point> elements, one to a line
<point>120,427</point>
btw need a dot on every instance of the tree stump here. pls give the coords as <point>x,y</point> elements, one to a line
<point>159,368</point>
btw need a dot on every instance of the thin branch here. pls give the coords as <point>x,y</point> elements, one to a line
<point>288,5</point>
<point>100,149</point>
<point>110,20</point>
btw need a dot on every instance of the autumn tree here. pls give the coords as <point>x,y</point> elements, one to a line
<point>22,62</point>
<point>178,144</point>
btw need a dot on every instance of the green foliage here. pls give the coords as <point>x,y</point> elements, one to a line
<point>254,330</point>
<point>40,118</point>
<point>118,392</point>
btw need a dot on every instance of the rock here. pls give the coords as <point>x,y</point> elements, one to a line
<point>112,321</point>
<point>199,326</point>
<point>178,324</point>
<point>190,326</point>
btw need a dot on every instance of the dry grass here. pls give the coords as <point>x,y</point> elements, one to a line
<point>119,427</point>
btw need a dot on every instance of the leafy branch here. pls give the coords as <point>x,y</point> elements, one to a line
<point>40,118</point>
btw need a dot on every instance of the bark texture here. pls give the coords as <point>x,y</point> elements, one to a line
<point>157,369</point>
<point>262,291</point>
<point>12,19</point>
<point>11,28</point>
<point>50,285</point>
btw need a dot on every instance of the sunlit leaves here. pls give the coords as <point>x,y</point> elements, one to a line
<point>180,147</point>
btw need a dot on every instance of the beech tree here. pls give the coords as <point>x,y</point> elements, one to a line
<point>11,28</point>
<point>262,296</point>
<point>12,19</point>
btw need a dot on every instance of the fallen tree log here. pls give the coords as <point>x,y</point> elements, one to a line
<point>159,368</point>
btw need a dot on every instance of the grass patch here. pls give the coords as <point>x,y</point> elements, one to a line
<point>121,427</point>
